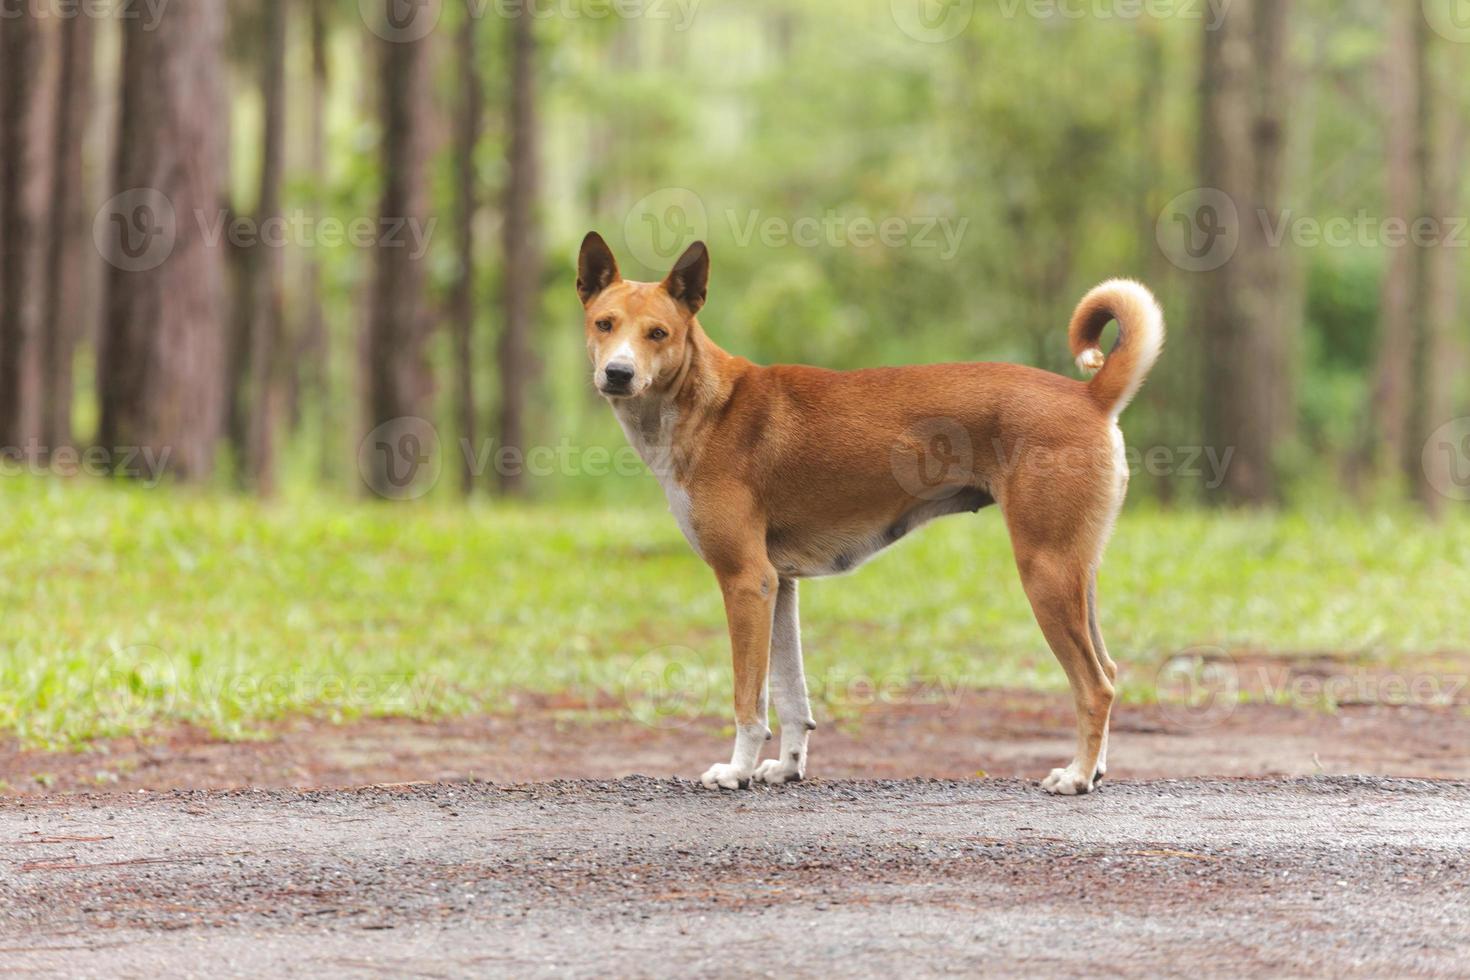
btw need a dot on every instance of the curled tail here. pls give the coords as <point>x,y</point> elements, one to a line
<point>1140,339</point>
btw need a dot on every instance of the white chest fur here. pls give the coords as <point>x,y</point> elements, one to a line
<point>650,431</point>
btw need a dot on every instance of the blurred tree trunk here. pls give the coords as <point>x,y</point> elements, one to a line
<point>244,33</point>
<point>1278,318</point>
<point>470,124</point>
<point>1399,299</point>
<point>70,250</point>
<point>522,245</point>
<point>266,265</point>
<point>159,367</point>
<point>1165,389</point>
<point>1300,172</point>
<point>398,371</point>
<point>1232,404</point>
<point>241,319</point>
<point>1440,367</point>
<point>22,37</point>
<point>1244,318</point>
<point>314,349</point>
<point>1150,122</point>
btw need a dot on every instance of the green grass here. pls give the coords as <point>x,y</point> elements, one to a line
<point>124,608</point>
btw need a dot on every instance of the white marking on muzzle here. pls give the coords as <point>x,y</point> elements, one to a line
<point>624,352</point>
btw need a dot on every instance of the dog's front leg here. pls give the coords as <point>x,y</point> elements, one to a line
<point>750,603</point>
<point>788,686</point>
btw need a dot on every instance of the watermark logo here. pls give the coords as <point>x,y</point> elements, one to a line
<point>1211,12</point>
<point>932,21</point>
<point>1450,19</point>
<point>133,685</point>
<point>934,460</point>
<point>145,464</point>
<point>1446,459</point>
<point>1198,688</point>
<point>401,21</point>
<point>150,12</point>
<point>666,688</point>
<point>136,231</point>
<point>400,459</point>
<point>412,20</point>
<point>1199,230</point>
<point>300,229</point>
<point>834,230</point>
<point>659,227</point>
<point>1363,230</point>
<point>663,224</point>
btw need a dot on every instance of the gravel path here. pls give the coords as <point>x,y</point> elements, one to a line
<point>644,877</point>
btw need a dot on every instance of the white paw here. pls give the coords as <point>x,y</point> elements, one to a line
<point>722,775</point>
<point>1067,782</point>
<point>775,772</point>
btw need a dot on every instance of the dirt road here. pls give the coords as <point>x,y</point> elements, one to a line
<point>996,732</point>
<point>644,877</point>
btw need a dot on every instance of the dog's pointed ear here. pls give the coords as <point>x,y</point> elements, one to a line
<point>688,282</point>
<point>596,267</point>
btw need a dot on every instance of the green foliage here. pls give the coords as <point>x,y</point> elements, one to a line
<point>1341,338</point>
<point>1025,159</point>
<point>145,607</point>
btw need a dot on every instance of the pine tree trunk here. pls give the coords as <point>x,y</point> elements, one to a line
<point>1231,417</point>
<point>267,267</point>
<point>1399,302</point>
<point>471,118</point>
<point>1243,311</point>
<point>315,340</point>
<point>1277,317</point>
<point>160,364</point>
<point>240,275</point>
<point>1442,324</point>
<point>398,371</point>
<point>70,250</point>
<point>20,59</point>
<point>522,287</point>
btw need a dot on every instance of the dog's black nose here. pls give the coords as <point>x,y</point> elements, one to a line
<point>618,375</point>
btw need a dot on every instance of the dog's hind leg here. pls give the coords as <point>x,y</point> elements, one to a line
<point>1109,667</point>
<point>1057,584</point>
<point>788,690</point>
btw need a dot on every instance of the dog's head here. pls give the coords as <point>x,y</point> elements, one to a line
<point>637,332</point>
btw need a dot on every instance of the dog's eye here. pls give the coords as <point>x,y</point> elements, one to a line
<point>657,333</point>
<point>605,326</point>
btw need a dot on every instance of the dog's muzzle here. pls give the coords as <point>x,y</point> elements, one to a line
<point>617,379</point>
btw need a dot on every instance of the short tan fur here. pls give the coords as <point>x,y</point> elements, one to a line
<point>787,472</point>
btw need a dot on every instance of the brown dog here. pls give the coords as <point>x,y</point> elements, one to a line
<point>781,473</point>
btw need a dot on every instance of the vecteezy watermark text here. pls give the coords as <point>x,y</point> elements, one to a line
<point>146,464</point>
<point>138,683</point>
<point>1211,12</point>
<point>299,229</point>
<point>138,229</point>
<point>150,12</point>
<point>1202,687</point>
<point>659,226</point>
<point>672,686</point>
<point>405,21</point>
<point>1201,229</point>
<point>936,458</point>
<point>402,459</point>
<point>833,230</point>
<point>937,21</point>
